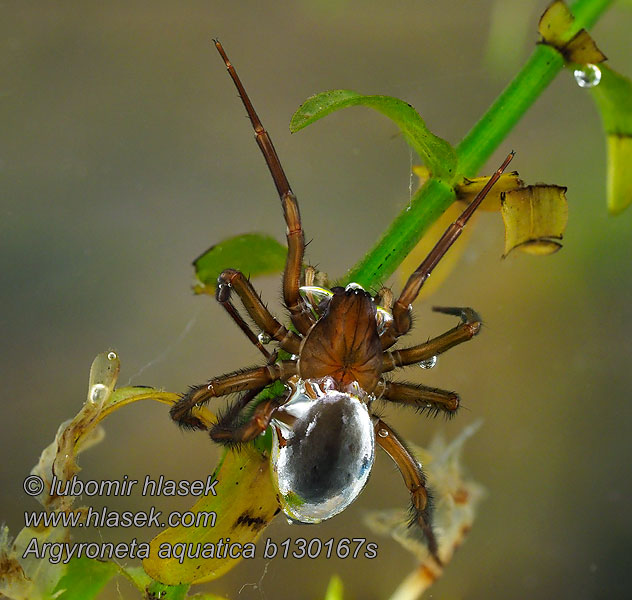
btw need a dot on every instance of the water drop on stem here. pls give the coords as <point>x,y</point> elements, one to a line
<point>587,76</point>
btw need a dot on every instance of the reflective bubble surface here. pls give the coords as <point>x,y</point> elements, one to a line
<point>317,298</point>
<point>429,363</point>
<point>384,319</point>
<point>587,76</point>
<point>322,460</point>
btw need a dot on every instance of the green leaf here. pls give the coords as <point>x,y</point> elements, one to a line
<point>84,579</point>
<point>619,178</point>
<point>154,589</point>
<point>437,154</point>
<point>614,100</point>
<point>251,253</point>
<point>167,592</point>
<point>613,96</point>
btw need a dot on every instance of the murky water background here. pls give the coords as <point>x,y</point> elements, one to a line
<point>126,154</point>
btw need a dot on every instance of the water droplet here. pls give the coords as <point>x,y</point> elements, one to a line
<point>112,356</point>
<point>327,384</point>
<point>98,393</point>
<point>264,338</point>
<point>383,318</point>
<point>354,286</point>
<point>588,76</point>
<point>316,298</point>
<point>429,363</point>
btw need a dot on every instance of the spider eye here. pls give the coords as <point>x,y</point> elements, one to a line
<point>322,462</point>
<point>318,298</point>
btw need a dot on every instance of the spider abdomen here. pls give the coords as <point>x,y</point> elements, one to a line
<point>323,451</point>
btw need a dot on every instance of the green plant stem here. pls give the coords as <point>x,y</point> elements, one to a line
<point>477,146</point>
<point>435,197</point>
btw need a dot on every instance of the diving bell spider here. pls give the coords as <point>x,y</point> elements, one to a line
<point>324,428</point>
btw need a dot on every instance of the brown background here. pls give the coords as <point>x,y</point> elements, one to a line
<point>126,153</point>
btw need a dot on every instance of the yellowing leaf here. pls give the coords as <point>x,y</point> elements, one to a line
<point>244,504</point>
<point>557,30</point>
<point>613,96</point>
<point>24,575</point>
<point>555,24</point>
<point>619,173</point>
<point>335,589</point>
<point>467,191</point>
<point>82,431</point>
<point>583,50</point>
<point>531,234</point>
<point>534,218</point>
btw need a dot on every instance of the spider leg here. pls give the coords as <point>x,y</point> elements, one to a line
<point>384,298</point>
<point>469,326</point>
<point>415,481</point>
<point>229,431</point>
<point>420,397</point>
<point>234,313</point>
<point>224,385</point>
<point>309,275</point>
<point>401,309</point>
<point>232,279</point>
<point>236,407</point>
<point>299,313</point>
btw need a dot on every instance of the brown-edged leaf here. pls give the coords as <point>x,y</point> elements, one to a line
<point>557,29</point>
<point>535,218</point>
<point>467,191</point>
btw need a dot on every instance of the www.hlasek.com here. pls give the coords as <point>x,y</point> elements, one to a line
<point>63,552</point>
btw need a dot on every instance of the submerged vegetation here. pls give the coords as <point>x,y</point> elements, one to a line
<point>535,218</point>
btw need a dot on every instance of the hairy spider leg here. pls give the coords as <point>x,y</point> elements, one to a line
<point>299,312</point>
<point>401,309</point>
<point>231,279</point>
<point>418,396</point>
<point>469,326</point>
<point>231,383</point>
<point>414,479</point>
<point>232,432</point>
<point>234,313</point>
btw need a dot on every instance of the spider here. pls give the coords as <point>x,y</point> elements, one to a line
<point>324,426</point>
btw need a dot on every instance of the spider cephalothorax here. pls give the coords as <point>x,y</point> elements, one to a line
<point>324,426</point>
